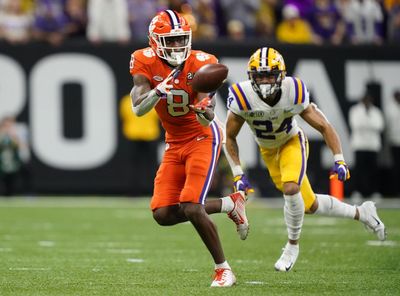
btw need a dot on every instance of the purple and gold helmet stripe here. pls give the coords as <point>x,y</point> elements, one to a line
<point>216,146</point>
<point>303,145</point>
<point>240,97</point>
<point>174,18</point>
<point>299,89</point>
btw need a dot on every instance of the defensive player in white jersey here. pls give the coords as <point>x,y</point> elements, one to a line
<point>268,103</point>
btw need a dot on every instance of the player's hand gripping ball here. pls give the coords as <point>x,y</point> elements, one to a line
<point>209,78</point>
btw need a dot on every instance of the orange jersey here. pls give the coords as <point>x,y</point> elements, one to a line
<point>178,120</point>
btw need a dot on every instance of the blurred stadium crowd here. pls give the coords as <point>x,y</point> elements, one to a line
<point>288,21</point>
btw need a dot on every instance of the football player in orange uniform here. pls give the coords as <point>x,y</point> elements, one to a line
<point>161,75</point>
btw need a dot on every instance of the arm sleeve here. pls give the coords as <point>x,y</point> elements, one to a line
<point>147,104</point>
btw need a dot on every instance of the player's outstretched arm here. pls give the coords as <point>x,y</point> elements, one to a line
<point>144,98</point>
<point>204,109</point>
<point>233,125</point>
<point>314,117</point>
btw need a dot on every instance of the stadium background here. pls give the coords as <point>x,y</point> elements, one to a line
<point>69,99</point>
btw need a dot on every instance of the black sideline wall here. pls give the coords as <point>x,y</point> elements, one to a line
<point>69,98</point>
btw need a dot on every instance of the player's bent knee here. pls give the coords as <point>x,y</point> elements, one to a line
<point>291,188</point>
<point>192,210</point>
<point>313,207</point>
<point>161,216</point>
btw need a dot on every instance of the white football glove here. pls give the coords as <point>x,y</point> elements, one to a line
<point>164,88</point>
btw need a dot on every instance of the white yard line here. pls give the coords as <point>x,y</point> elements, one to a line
<point>135,260</point>
<point>124,251</point>
<point>47,244</point>
<point>254,283</point>
<point>377,243</point>
<point>29,268</point>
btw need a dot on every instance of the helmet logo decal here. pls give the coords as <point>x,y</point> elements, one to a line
<point>153,24</point>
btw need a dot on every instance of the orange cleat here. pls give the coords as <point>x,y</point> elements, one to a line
<point>238,214</point>
<point>223,277</point>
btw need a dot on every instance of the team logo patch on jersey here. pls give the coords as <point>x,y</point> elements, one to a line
<point>201,56</point>
<point>148,53</point>
<point>288,110</point>
<point>189,78</point>
<point>158,78</point>
<point>255,113</point>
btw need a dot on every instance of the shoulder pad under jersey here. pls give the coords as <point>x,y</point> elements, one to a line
<point>297,93</point>
<point>200,58</point>
<point>145,55</point>
<point>140,59</point>
<point>237,100</point>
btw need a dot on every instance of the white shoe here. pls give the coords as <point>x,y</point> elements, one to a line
<point>238,214</point>
<point>370,218</point>
<point>288,258</point>
<point>223,277</point>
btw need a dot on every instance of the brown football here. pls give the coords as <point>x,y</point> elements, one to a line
<point>209,78</point>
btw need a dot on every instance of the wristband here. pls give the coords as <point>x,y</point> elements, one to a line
<point>237,170</point>
<point>338,157</point>
<point>158,93</point>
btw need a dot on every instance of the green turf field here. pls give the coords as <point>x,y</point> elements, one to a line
<point>104,246</point>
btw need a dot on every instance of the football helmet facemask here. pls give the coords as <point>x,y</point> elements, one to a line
<point>266,70</point>
<point>170,36</point>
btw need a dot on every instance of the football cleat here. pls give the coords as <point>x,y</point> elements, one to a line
<point>238,214</point>
<point>288,258</point>
<point>223,277</point>
<point>370,218</point>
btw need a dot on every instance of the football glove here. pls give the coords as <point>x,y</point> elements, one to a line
<point>340,170</point>
<point>201,107</point>
<point>241,183</point>
<point>164,88</point>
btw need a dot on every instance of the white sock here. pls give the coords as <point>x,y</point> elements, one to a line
<point>294,214</point>
<point>223,265</point>
<point>227,204</point>
<point>331,206</point>
<point>292,247</point>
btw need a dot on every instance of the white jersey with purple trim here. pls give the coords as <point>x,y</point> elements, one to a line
<point>271,126</point>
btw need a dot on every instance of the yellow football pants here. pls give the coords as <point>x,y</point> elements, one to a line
<point>288,163</point>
